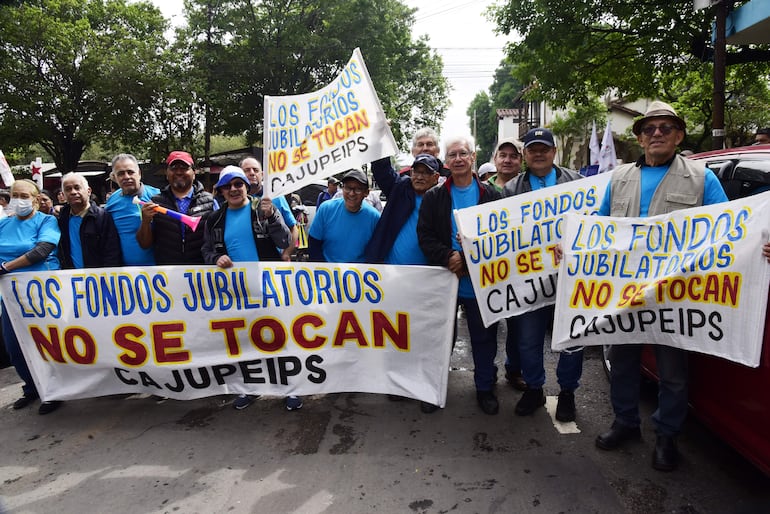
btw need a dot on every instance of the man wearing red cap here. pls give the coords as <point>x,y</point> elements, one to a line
<point>172,241</point>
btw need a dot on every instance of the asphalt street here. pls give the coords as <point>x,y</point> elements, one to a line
<point>350,453</point>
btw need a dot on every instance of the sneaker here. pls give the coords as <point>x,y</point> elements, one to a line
<point>24,401</point>
<point>243,401</point>
<point>565,408</point>
<point>293,403</point>
<point>48,407</point>
<point>530,401</point>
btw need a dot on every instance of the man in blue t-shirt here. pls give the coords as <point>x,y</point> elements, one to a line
<point>126,214</point>
<point>656,184</point>
<point>342,227</point>
<point>437,235</point>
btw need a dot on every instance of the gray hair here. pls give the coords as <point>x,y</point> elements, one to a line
<point>466,140</point>
<point>425,132</point>
<point>80,178</point>
<point>240,164</point>
<point>124,157</point>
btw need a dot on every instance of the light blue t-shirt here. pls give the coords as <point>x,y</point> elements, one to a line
<point>463,197</point>
<point>76,248</point>
<point>650,179</point>
<point>127,217</point>
<point>406,249</point>
<point>540,182</point>
<point>344,233</point>
<point>239,239</point>
<point>17,237</point>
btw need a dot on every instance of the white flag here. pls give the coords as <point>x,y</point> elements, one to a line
<point>593,146</point>
<point>5,171</point>
<point>607,158</point>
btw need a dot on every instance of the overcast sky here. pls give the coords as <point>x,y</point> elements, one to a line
<point>460,33</point>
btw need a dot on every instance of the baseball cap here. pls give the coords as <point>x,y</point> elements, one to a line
<point>356,175</point>
<point>538,135</point>
<point>428,161</point>
<point>230,173</point>
<point>180,156</point>
<point>518,145</point>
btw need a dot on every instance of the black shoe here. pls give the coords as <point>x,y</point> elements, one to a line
<point>516,380</point>
<point>428,408</point>
<point>530,401</point>
<point>48,407</point>
<point>24,401</point>
<point>617,435</point>
<point>488,402</point>
<point>666,456</point>
<point>565,408</point>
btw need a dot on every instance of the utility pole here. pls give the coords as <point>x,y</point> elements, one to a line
<point>720,60</point>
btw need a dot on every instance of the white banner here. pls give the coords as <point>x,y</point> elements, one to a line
<point>265,328</point>
<point>316,135</point>
<point>509,244</point>
<point>693,279</point>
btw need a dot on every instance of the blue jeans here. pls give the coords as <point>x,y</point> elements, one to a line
<point>512,359</point>
<point>530,329</point>
<point>625,362</point>
<point>17,358</point>
<point>483,345</point>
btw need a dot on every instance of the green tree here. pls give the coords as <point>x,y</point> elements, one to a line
<point>486,128</point>
<point>279,47</point>
<point>574,126</point>
<point>574,49</point>
<point>75,71</point>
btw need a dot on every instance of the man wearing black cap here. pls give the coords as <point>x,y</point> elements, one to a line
<point>172,241</point>
<point>531,327</point>
<point>328,193</point>
<point>343,226</point>
<point>762,136</point>
<point>659,182</point>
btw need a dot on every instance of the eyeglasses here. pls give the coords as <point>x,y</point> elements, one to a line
<point>664,129</point>
<point>354,190</point>
<point>458,155</point>
<point>236,185</point>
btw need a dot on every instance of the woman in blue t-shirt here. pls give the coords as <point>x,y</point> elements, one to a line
<point>28,242</point>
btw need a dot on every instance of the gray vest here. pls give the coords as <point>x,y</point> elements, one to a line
<point>681,188</point>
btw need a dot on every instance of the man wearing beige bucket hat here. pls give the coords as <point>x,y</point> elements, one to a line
<point>660,181</point>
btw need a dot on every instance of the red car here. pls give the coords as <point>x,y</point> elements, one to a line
<point>731,399</point>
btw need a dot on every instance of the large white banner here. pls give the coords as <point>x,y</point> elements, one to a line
<point>693,279</point>
<point>509,245</point>
<point>266,328</point>
<point>316,135</point>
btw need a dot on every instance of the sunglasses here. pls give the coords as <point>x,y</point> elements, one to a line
<point>664,129</point>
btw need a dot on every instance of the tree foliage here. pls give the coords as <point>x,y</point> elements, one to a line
<point>247,49</point>
<point>574,49</point>
<point>574,127</point>
<point>74,71</point>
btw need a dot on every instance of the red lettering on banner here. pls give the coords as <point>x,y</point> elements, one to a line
<point>168,348</point>
<point>229,327</point>
<point>298,332</point>
<point>381,326</point>
<point>127,337</point>
<point>51,345</point>
<point>275,334</point>
<point>349,329</point>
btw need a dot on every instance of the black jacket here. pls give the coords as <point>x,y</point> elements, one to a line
<point>98,238</point>
<point>269,235</point>
<point>434,226</point>
<point>173,242</point>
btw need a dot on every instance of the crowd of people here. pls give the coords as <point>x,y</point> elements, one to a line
<point>415,227</point>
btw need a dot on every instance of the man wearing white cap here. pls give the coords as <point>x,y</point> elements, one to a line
<point>660,181</point>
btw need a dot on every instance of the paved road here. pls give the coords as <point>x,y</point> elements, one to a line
<point>351,453</point>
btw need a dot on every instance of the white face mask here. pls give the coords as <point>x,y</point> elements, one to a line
<point>20,206</point>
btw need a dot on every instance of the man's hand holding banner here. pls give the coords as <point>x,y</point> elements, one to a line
<point>316,135</point>
<point>693,279</point>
